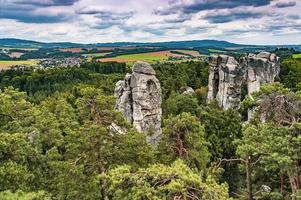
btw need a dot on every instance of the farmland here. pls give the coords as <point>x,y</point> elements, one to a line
<point>15,54</point>
<point>95,54</point>
<point>296,56</point>
<point>4,64</point>
<point>147,57</point>
<point>216,51</point>
<point>189,52</point>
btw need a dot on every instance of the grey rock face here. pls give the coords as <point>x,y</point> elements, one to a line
<point>227,75</point>
<point>139,99</point>
<point>143,68</point>
<point>188,91</point>
<point>262,68</point>
<point>225,81</point>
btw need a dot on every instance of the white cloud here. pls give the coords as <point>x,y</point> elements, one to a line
<point>91,21</point>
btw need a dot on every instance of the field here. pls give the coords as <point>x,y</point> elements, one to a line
<point>297,55</point>
<point>5,64</point>
<point>15,54</point>
<point>190,52</point>
<point>216,51</point>
<point>95,54</point>
<point>72,50</point>
<point>147,57</point>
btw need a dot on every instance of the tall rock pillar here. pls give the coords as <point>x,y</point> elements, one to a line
<point>138,97</point>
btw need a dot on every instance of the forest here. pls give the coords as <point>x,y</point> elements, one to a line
<point>55,140</point>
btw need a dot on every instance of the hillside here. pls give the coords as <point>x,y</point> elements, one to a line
<point>18,43</point>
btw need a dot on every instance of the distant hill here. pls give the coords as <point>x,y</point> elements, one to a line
<point>19,43</point>
<point>177,44</point>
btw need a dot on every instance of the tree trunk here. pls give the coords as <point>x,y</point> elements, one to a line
<point>282,183</point>
<point>294,186</point>
<point>248,179</point>
<point>103,191</point>
<point>180,146</point>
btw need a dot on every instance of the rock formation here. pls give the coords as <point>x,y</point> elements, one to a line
<point>227,75</point>
<point>261,68</point>
<point>139,99</point>
<point>225,81</point>
<point>188,91</point>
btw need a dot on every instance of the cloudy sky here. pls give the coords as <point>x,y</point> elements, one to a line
<point>91,21</point>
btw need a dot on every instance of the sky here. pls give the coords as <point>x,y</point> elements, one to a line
<point>93,21</point>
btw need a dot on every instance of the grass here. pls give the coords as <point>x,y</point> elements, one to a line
<point>297,56</point>
<point>147,57</point>
<point>189,52</point>
<point>5,64</point>
<point>216,51</point>
<point>95,54</point>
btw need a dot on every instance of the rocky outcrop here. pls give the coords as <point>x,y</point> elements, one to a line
<point>225,80</point>
<point>227,75</point>
<point>138,97</point>
<point>188,91</point>
<point>261,68</point>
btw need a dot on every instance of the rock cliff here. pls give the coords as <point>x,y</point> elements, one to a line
<point>225,80</point>
<point>227,76</point>
<point>261,68</point>
<point>139,99</point>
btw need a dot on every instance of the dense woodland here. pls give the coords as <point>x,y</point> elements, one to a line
<point>56,141</point>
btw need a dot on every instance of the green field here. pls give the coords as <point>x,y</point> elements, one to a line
<point>8,63</point>
<point>143,56</point>
<point>188,52</point>
<point>216,51</point>
<point>95,54</point>
<point>147,57</point>
<point>297,55</point>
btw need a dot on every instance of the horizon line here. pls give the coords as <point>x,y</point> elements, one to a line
<point>31,40</point>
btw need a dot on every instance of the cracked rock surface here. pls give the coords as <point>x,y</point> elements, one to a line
<point>228,75</point>
<point>138,97</point>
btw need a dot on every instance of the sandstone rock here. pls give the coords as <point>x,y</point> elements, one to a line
<point>143,68</point>
<point>188,91</point>
<point>138,97</point>
<point>225,80</point>
<point>262,68</point>
<point>123,98</point>
<point>227,75</point>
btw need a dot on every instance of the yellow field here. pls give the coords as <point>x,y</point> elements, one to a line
<point>5,64</point>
